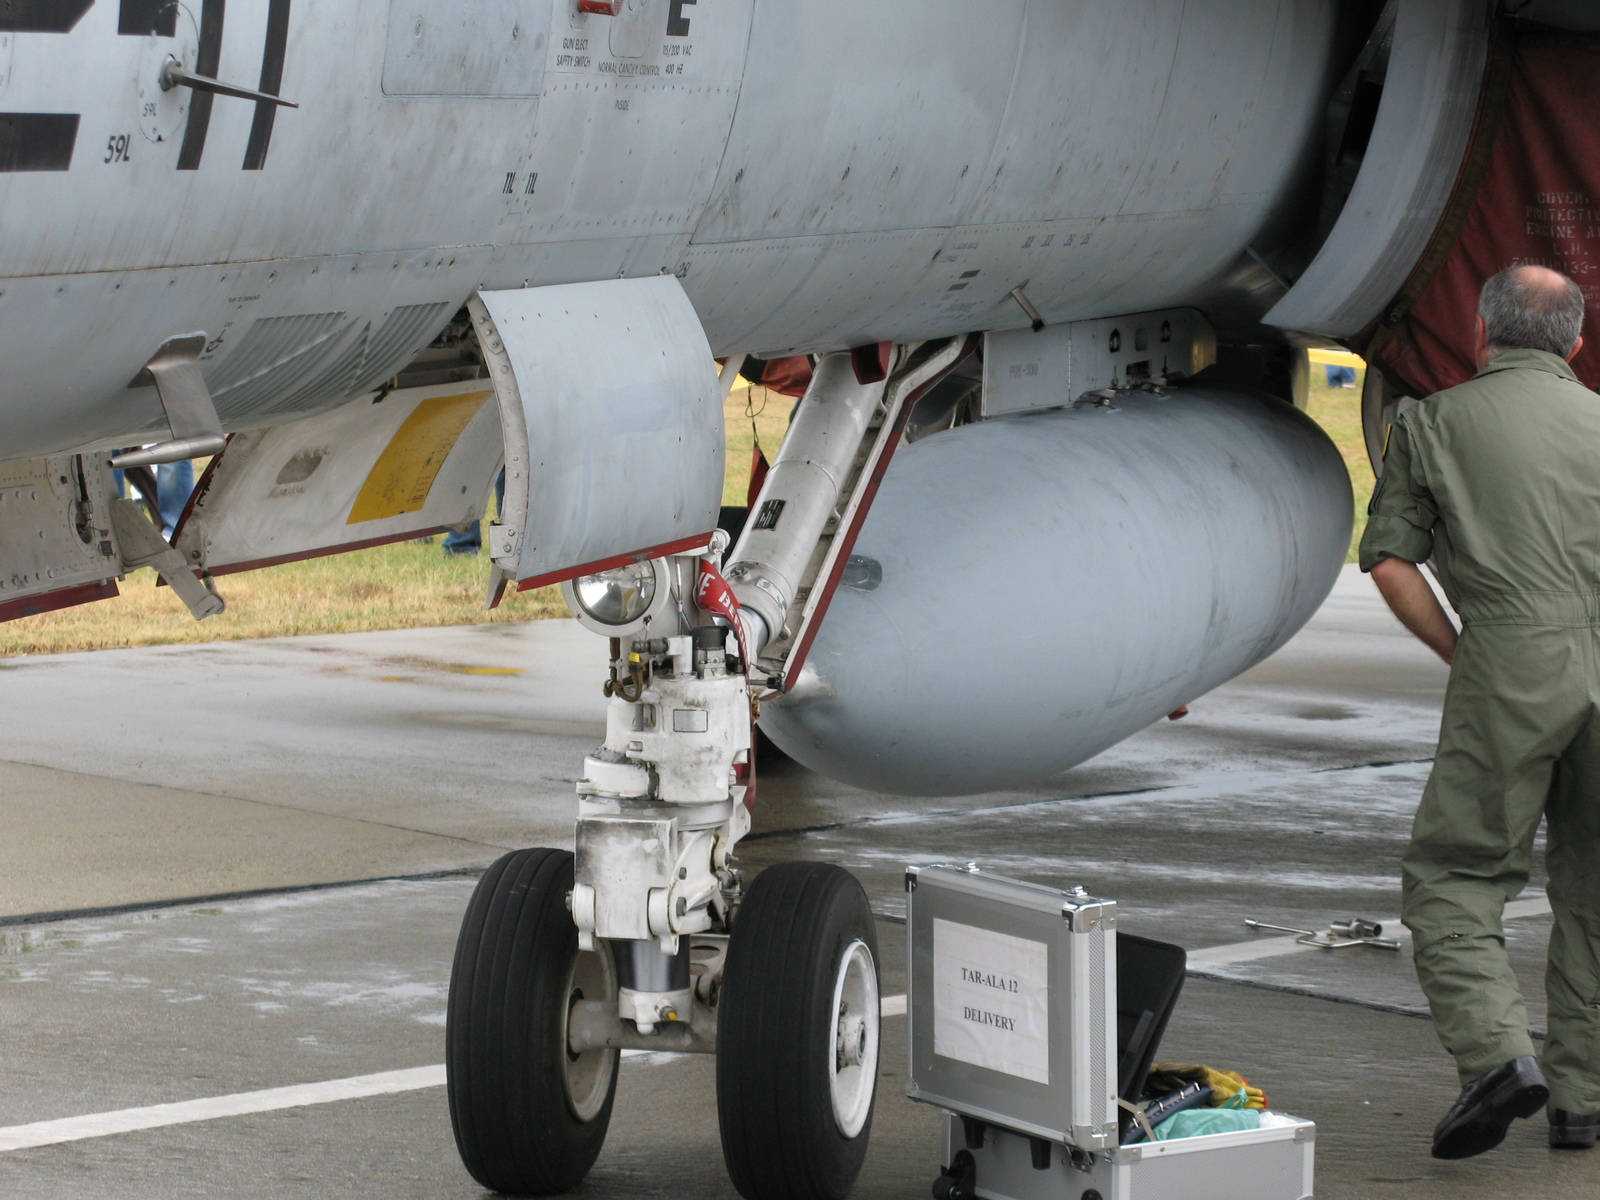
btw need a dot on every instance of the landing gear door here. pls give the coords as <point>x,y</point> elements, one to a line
<point>407,464</point>
<point>613,426</point>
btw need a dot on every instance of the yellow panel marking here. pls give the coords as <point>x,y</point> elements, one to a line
<point>487,670</point>
<point>1336,358</point>
<point>401,479</point>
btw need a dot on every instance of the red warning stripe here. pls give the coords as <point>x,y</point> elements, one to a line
<point>681,546</point>
<point>32,606</point>
<point>256,564</point>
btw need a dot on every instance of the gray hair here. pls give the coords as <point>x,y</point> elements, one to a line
<point>1532,308</point>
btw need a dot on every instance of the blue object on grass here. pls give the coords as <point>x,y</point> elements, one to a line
<point>470,541</point>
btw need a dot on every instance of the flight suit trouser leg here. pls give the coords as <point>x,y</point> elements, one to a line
<point>1517,699</point>
<point>1571,1057</point>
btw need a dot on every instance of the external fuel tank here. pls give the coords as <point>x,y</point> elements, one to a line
<point>1030,590</point>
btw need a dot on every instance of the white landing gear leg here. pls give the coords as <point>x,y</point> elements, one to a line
<point>665,955</point>
<point>798,1023</point>
<point>564,960</point>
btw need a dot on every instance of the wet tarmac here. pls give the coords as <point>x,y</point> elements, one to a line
<point>153,1008</point>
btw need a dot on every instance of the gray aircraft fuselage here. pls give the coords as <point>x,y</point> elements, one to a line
<point>819,173</point>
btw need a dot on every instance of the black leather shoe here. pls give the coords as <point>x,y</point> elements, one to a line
<point>1478,1119</point>
<point>1573,1131</point>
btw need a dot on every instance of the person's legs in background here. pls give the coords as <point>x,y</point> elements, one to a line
<point>174,483</point>
<point>464,541</point>
<point>470,541</point>
<point>1571,1058</point>
<point>1517,699</point>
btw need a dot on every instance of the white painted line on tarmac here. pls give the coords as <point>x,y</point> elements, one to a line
<point>184,1112</point>
<point>154,1116</point>
<point>387,1083</point>
<point>1533,906</point>
<point>1271,947</point>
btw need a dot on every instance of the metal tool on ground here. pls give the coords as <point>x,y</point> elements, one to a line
<point>1339,935</point>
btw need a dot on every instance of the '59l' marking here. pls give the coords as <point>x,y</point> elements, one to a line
<point>117,148</point>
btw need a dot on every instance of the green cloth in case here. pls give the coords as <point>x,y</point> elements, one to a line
<point>1195,1122</point>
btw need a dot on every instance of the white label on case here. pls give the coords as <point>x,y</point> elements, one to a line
<point>991,1000</point>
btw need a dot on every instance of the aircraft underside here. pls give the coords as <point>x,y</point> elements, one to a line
<point>1044,271</point>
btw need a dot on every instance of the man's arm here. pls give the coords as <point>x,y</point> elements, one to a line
<point>1398,536</point>
<point>1411,599</point>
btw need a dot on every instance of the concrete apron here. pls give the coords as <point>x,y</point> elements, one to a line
<point>177,773</point>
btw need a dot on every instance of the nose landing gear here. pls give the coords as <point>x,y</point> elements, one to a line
<point>797,1034</point>
<point>563,964</point>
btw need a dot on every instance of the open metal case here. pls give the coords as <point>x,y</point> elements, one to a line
<point>1014,1033</point>
<point>1012,1004</point>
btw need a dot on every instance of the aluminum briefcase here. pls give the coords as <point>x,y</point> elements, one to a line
<point>1013,1012</point>
<point>1012,1004</point>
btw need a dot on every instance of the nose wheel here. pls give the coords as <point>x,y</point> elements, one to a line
<point>529,1114</point>
<point>797,1035</point>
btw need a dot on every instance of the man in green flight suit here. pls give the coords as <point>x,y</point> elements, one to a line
<point>1498,482</point>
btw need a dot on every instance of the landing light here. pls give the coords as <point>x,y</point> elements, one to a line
<point>617,597</point>
<point>622,601</point>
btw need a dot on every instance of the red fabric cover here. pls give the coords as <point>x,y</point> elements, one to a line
<point>1538,202</point>
<point>871,362</point>
<point>758,476</point>
<point>787,376</point>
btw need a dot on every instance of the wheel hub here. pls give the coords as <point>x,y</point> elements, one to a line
<point>853,1064</point>
<point>587,1074</point>
<point>852,1041</point>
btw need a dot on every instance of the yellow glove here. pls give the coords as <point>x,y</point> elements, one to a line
<point>1224,1085</point>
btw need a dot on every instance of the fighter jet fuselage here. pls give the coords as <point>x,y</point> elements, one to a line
<point>818,175</point>
<point>1052,266</point>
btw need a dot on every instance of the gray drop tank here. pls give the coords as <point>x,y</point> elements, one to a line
<point>1033,589</point>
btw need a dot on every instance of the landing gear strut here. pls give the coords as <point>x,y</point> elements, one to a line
<point>645,939</point>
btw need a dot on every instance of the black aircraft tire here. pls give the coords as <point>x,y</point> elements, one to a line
<point>529,1116</point>
<point>804,938</point>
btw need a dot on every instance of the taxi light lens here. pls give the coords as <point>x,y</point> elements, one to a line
<point>617,597</point>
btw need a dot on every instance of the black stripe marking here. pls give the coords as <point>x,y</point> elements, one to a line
<point>37,141</point>
<point>140,18</point>
<point>206,62</point>
<point>677,23</point>
<point>115,910</point>
<point>255,154</point>
<point>41,16</point>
